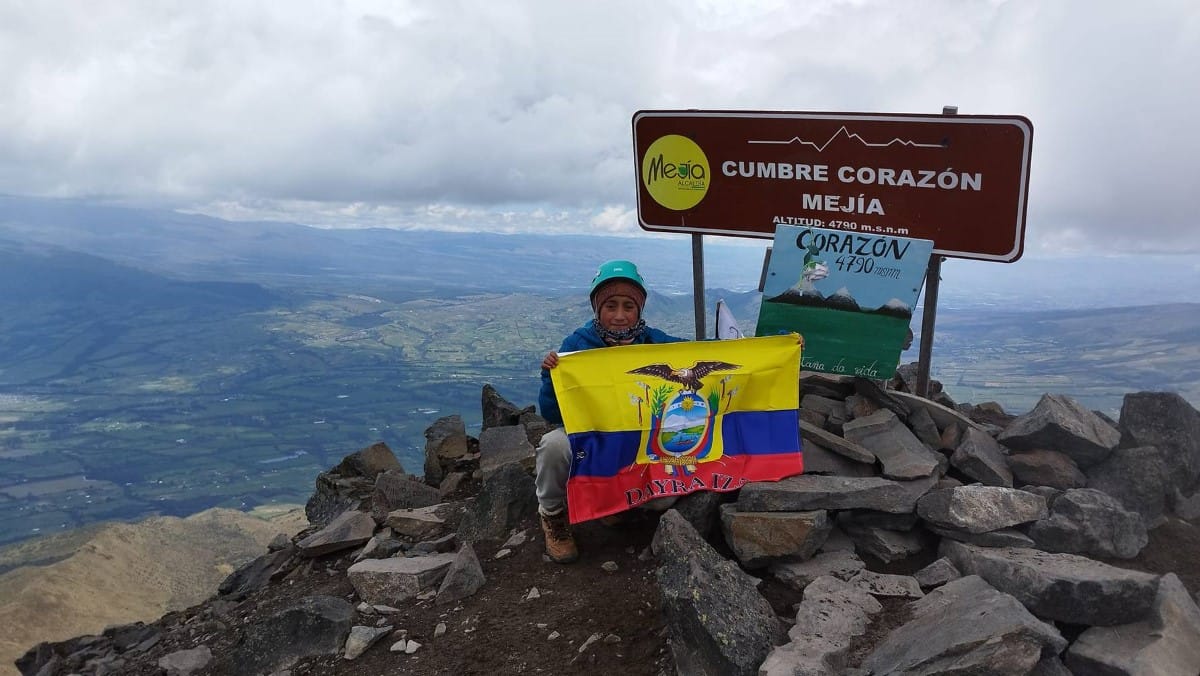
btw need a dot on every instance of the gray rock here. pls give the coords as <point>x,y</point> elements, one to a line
<point>420,523</point>
<point>902,454</point>
<point>858,406</point>
<point>361,638</point>
<point>256,574</point>
<point>1060,423</point>
<point>1005,537</point>
<point>368,462</point>
<point>943,416</point>
<point>758,538</point>
<point>395,580</point>
<point>966,627</point>
<point>1050,666</point>
<point>498,411</point>
<point>925,428</point>
<point>884,544</point>
<point>819,460</point>
<point>871,389</point>
<point>501,445</point>
<point>1137,478</point>
<point>952,437</point>
<point>314,625</point>
<point>814,418</point>
<point>826,406</point>
<point>185,662</point>
<point>869,518</point>
<point>1167,642</point>
<point>883,584</point>
<point>702,510</point>
<point>808,492</point>
<point>1187,507</point>
<point>936,574</point>
<point>980,457</point>
<point>717,621</point>
<point>832,386</point>
<point>397,490</point>
<point>979,509</point>
<point>831,615</point>
<point>1051,494</point>
<point>1046,468</point>
<point>840,564</point>
<point>535,426</point>
<point>506,499</point>
<point>1063,587</point>
<point>1086,521</point>
<point>336,495</point>
<point>380,546</point>
<point>948,482</point>
<point>1168,422</point>
<point>350,529</point>
<point>835,443</point>
<point>837,541</point>
<point>445,442</point>
<point>444,544</point>
<point>451,483</point>
<point>463,578</point>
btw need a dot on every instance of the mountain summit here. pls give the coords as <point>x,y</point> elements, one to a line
<point>904,548</point>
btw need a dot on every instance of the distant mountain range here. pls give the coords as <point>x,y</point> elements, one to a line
<point>410,263</point>
<point>162,363</point>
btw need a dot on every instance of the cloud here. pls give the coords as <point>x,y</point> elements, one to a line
<point>515,115</point>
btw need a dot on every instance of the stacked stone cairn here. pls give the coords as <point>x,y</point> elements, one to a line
<point>1013,530</point>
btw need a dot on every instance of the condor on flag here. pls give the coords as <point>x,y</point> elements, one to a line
<point>648,421</point>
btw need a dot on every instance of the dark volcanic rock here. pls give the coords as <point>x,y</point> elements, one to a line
<point>1062,424</point>
<point>316,625</point>
<point>500,412</point>
<point>1168,422</point>
<point>349,484</point>
<point>718,622</point>
<point>1063,587</point>
<point>507,497</point>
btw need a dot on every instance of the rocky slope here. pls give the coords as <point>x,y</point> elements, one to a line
<point>121,573</point>
<point>923,538</point>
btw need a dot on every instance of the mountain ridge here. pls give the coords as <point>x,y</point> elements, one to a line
<point>122,573</point>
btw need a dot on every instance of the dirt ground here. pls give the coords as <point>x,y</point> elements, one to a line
<point>501,630</point>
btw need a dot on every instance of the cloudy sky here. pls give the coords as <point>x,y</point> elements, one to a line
<point>516,115</point>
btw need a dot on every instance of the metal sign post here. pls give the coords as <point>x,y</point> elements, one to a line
<point>933,279</point>
<point>698,282</point>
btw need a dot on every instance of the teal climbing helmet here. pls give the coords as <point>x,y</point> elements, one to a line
<point>618,269</point>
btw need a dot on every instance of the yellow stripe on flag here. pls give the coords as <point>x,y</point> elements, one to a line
<point>602,390</point>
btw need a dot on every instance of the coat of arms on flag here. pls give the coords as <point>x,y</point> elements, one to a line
<point>650,421</point>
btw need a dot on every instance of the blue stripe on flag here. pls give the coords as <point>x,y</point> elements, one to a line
<point>604,453</point>
<point>761,432</point>
<point>743,433</point>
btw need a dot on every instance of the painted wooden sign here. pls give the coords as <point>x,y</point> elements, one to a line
<point>850,295</point>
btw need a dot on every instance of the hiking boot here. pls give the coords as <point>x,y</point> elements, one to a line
<point>560,544</point>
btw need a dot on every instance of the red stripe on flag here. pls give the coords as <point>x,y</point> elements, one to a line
<point>591,497</point>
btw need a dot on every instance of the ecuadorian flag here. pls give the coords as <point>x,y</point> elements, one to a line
<point>650,421</point>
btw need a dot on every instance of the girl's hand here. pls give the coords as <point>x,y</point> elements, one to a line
<point>550,360</point>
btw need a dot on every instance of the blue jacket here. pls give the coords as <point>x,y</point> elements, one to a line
<point>586,338</point>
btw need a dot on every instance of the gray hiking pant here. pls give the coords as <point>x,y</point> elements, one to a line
<point>553,470</point>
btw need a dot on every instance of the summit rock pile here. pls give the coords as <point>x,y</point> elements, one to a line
<point>923,538</point>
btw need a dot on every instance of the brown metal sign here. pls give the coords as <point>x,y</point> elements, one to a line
<point>959,180</point>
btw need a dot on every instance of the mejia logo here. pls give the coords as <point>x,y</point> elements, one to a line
<point>675,172</point>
